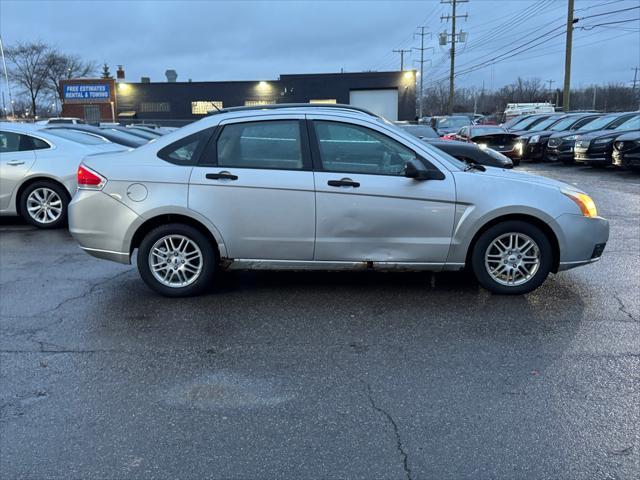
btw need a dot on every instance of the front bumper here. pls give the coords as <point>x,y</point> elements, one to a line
<point>582,240</point>
<point>592,156</point>
<point>533,151</point>
<point>561,153</point>
<point>622,159</point>
<point>100,224</point>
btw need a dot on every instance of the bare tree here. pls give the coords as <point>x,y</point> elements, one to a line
<point>63,67</point>
<point>29,69</point>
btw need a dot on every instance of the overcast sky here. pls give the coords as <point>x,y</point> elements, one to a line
<point>216,40</point>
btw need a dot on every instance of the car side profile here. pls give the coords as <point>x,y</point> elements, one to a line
<point>327,188</point>
<point>38,170</point>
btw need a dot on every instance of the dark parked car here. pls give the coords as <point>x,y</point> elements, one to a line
<point>560,145</point>
<point>472,153</point>
<point>529,122</point>
<point>449,124</point>
<point>487,136</point>
<point>595,148</point>
<point>534,143</point>
<point>626,151</point>
<point>123,138</point>
<point>418,130</point>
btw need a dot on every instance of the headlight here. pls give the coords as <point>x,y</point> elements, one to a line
<point>584,201</point>
<point>534,139</point>
<point>600,141</point>
<point>570,137</point>
<point>483,145</point>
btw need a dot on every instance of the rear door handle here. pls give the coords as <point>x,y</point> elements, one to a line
<point>221,176</point>
<point>16,162</point>
<point>345,182</point>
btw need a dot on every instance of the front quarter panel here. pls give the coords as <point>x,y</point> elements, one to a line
<point>483,198</point>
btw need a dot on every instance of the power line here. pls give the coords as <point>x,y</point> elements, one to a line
<point>422,48</point>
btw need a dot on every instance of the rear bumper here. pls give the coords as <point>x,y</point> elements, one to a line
<point>100,224</point>
<point>583,240</point>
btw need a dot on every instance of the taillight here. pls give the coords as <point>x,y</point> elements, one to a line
<point>88,179</point>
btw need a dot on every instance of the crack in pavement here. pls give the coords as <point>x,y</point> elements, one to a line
<point>396,431</point>
<point>623,308</point>
<point>89,291</point>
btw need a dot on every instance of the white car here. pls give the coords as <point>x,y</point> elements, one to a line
<point>38,170</point>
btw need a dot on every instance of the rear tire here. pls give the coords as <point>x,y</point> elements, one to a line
<point>44,204</point>
<point>177,260</point>
<point>512,258</point>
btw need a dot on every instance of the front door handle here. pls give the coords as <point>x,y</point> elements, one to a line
<point>345,182</point>
<point>16,162</point>
<point>221,176</point>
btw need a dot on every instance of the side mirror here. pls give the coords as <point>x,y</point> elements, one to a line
<point>416,170</point>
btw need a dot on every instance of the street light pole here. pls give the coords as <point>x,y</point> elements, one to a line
<point>6,77</point>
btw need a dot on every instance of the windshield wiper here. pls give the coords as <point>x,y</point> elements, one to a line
<point>475,166</point>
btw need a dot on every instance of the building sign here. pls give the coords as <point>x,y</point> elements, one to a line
<point>87,92</point>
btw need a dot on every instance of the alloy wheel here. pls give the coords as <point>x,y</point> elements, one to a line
<point>44,205</point>
<point>512,259</point>
<point>175,261</point>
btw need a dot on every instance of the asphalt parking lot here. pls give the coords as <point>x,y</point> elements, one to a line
<point>323,375</point>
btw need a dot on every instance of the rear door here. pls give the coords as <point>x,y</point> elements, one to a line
<point>254,183</point>
<point>16,159</point>
<point>366,209</point>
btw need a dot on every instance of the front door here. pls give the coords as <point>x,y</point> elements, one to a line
<point>367,210</point>
<point>254,183</point>
<point>14,164</point>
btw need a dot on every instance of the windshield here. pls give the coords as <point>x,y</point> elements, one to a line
<point>515,121</point>
<point>531,121</point>
<point>632,124</point>
<point>453,122</point>
<point>564,124</point>
<point>142,133</point>
<point>420,131</point>
<point>118,136</point>
<point>78,137</point>
<point>544,124</point>
<point>599,123</point>
<point>486,131</point>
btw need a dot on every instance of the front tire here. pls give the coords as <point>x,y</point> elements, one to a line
<point>44,204</point>
<point>176,260</point>
<point>512,258</point>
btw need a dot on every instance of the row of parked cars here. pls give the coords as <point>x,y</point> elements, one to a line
<point>588,138</point>
<point>38,163</point>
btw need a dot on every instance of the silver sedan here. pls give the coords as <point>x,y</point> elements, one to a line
<point>328,188</point>
<point>38,170</point>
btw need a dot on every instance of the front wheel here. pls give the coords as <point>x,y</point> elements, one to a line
<point>512,257</point>
<point>176,260</point>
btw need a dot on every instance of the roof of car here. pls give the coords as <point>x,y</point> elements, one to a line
<point>296,106</point>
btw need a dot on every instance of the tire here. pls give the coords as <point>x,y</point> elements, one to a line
<point>486,256</point>
<point>44,204</point>
<point>198,255</point>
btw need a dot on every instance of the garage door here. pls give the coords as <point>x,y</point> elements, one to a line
<point>382,102</point>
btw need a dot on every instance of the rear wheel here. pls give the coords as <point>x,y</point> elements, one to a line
<point>176,260</point>
<point>44,204</point>
<point>512,257</point>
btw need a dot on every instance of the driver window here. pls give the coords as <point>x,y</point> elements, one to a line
<point>354,149</point>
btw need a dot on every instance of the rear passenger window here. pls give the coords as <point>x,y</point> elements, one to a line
<point>273,144</point>
<point>37,144</point>
<point>185,151</point>
<point>351,148</point>
<point>9,142</point>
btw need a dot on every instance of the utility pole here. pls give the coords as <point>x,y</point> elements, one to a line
<point>422,48</point>
<point>6,77</point>
<point>460,37</point>
<point>550,82</point>
<point>595,90</point>
<point>635,79</point>
<point>566,92</point>
<point>401,52</point>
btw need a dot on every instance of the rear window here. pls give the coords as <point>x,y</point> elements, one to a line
<point>186,150</point>
<point>78,137</point>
